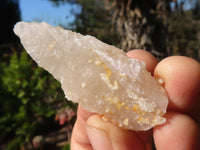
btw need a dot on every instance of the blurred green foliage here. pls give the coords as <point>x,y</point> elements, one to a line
<point>28,95</point>
<point>66,147</point>
<point>184,34</point>
<point>95,20</point>
<point>92,19</point>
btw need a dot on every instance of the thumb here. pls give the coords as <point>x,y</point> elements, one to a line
<point>105,135</point>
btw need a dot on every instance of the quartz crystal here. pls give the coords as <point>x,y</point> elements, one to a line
<point>98,76</point>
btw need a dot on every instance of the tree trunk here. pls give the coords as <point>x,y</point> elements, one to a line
<point>141,24</point>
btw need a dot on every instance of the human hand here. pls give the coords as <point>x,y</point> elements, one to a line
<point>181,131</point>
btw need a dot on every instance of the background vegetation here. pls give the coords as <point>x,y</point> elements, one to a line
<point>32,104</point>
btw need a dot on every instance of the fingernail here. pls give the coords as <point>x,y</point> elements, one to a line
<point>98,138</point>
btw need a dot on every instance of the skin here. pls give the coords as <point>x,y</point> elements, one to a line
<point>181,131</point>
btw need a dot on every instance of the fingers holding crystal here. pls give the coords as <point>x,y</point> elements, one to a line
<point>145,56</point>
<point>79,138</point>
<point>105,135</point>
<point>181,131</point>
<point>80,133</point>
<point>181,77</point>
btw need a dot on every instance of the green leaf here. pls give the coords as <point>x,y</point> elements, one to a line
<point>21,94</point>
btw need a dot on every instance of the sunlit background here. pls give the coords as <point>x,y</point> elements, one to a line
<point>52,13</point>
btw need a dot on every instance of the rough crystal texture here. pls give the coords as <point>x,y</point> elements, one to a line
<point>98,76</point>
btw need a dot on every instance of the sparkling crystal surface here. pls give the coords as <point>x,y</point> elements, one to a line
<point>100,77</point>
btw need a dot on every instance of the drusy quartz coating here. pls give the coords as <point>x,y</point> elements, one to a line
<point>100,77</point>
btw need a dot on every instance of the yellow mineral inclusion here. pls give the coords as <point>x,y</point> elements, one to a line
<point>135,107</point>
<point>91,60</point>
<point>162,89</point>
<point>155,121</point>
<point>98,62</point>
<point>159,112</point>
<point>139,118</point>
<point>119,105</point>
<point>113,86</point>
<point>127,108</point>
<point>114,100</point>
<point>83,85</point>
<point>111,99</point>
<point>147,120</point>
<point>52,45</point>
<point>142,114</point>
<point>108,72</point>
<point>105,118</point>
<point>105,76</point>
<point>110,112</point>
<point>142,120</point>
<point>125,122</point>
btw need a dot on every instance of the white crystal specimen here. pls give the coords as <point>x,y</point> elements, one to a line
<point>100,77</point>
